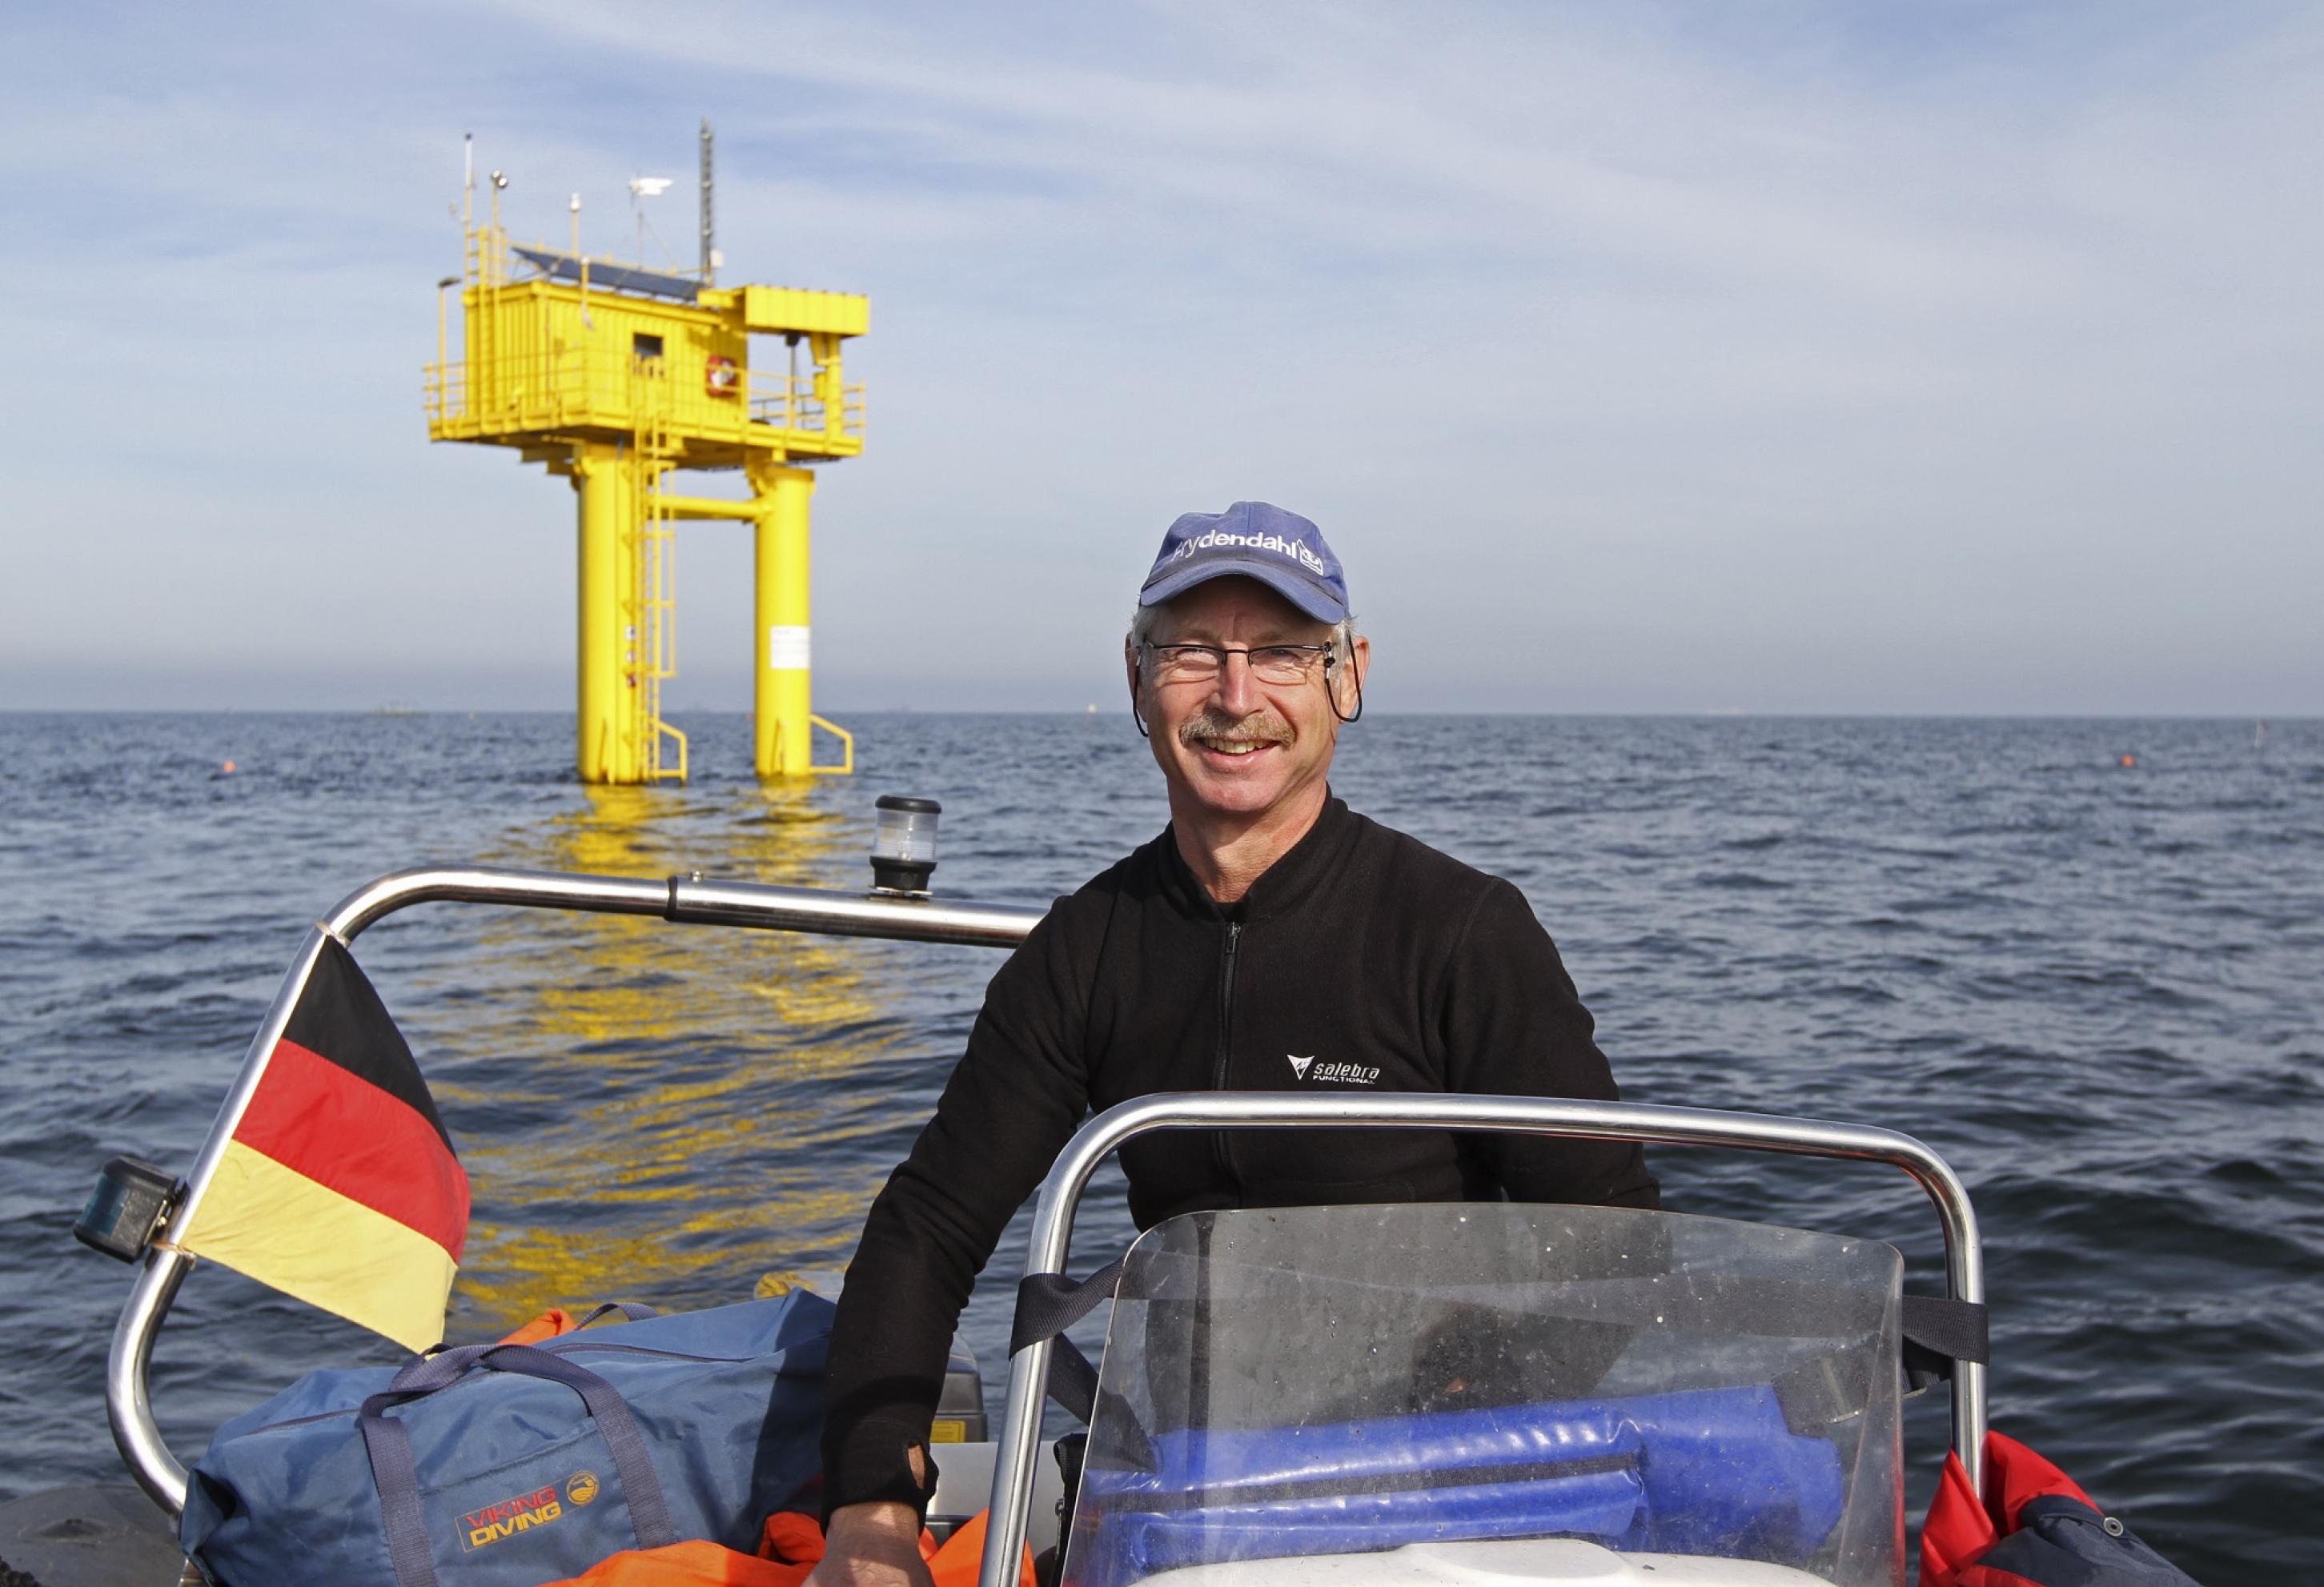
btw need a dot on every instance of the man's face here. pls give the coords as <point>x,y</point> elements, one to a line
<point>1235,744</point>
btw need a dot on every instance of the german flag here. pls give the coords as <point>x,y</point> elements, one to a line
<point>340,1185</point>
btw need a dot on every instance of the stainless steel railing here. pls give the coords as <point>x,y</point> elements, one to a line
<point>692,899</point>
<point>1061,1194</point>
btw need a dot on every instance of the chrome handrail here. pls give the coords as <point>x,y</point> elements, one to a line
<point>690,899</point>
<point>1061,1193</point>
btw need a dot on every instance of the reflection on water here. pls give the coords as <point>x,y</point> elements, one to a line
<point>661,1073</point>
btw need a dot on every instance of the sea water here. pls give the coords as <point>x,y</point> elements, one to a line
<point>2095,987</point>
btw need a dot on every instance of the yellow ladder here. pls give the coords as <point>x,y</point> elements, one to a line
<point>654,605</point>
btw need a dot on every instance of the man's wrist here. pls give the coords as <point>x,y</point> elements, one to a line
<point>877,1462</point>
<point>874,1518</point>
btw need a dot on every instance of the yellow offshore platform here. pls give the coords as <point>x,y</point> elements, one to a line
<point>617,377</point>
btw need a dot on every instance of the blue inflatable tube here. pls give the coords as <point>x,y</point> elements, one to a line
<point>1708,1471</point>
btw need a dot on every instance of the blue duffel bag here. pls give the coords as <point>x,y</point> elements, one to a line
<point>507,1465</point>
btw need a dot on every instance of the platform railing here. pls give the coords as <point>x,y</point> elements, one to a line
<point>1061,1194</point>
<point>547,389</point>
<point>691,899</point>
<point>795,403</point>
<point>536,388</point>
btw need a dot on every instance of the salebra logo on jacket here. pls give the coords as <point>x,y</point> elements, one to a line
<point>1344,1074</point>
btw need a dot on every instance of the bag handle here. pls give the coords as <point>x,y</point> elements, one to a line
<point>632,1311</point>
<point>397,1479</point>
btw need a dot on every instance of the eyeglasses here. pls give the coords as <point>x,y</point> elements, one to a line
<point>1269,663</point>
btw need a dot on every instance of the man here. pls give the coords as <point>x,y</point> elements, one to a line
<point>1270,939</point>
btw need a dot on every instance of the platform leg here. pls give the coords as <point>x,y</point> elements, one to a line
<point>610,748</point>
<point>783,736</point>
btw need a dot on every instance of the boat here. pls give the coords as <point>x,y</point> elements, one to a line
<point>1290,1450</point>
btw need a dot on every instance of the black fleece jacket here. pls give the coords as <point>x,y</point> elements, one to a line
<point>1361,960</point>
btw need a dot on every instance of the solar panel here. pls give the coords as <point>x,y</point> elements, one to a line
<point>613,278</point>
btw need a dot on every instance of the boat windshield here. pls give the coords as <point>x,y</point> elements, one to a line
<point>1494,1389</point>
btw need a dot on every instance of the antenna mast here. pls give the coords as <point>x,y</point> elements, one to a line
<point>709,253</point>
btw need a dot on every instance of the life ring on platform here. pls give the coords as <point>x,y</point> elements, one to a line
<point>721,377</point>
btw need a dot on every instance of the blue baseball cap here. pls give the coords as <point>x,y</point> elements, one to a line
<point>1282,550</point>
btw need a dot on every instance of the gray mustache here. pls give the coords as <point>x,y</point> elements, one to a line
<point>1263,729</point>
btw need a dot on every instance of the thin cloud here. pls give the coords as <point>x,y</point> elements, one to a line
<point>1682,348</point>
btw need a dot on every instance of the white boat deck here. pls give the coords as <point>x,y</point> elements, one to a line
<point>1489,1564</point>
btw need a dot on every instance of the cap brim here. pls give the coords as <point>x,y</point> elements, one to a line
<point>1316,602</point>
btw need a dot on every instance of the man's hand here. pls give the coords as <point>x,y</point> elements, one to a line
<point>872,1546</point>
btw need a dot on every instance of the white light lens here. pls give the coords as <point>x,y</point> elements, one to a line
<point>907,829</point>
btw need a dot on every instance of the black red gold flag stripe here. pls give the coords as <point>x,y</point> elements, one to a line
<point>340,1185</point>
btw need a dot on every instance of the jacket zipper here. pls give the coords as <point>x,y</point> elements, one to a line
<point>1226,1038</point>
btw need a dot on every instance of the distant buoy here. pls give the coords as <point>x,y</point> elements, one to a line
<point>226,770</point>
<point>2127,760</point>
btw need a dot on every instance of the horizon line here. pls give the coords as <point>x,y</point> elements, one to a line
<point>1699,714</point>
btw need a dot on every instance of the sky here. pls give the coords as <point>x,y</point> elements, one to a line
<point>1821,358</point>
